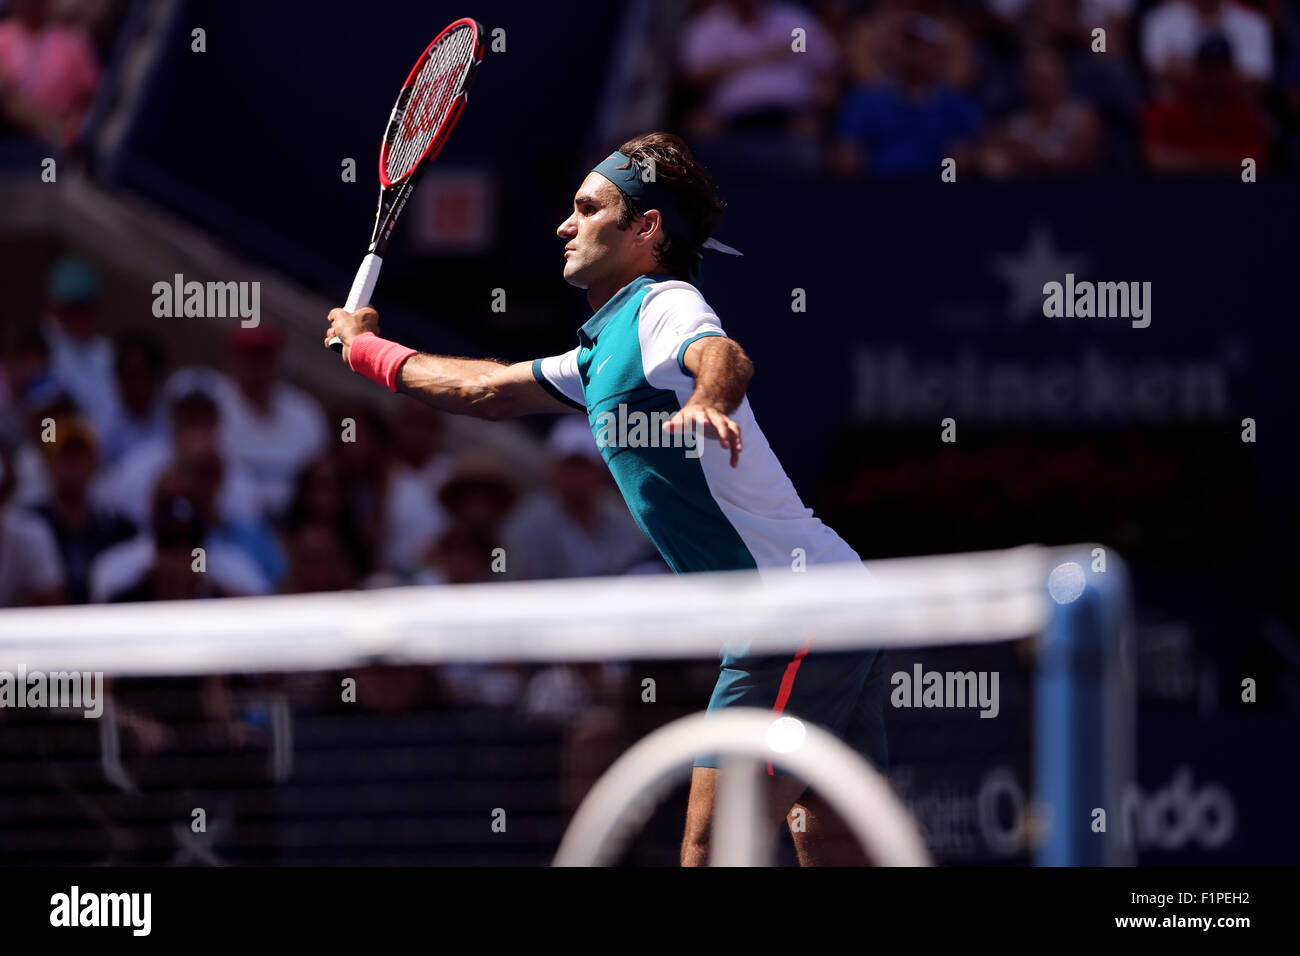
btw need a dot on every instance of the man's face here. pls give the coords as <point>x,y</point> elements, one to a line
<point>1044,79</point>
<point>594,245</point>
<point>416,433</point>
<point>137,382</point>
<point>194,434</point>
<point>919,61</point>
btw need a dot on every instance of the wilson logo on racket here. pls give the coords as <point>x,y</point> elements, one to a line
<point>429,102</point>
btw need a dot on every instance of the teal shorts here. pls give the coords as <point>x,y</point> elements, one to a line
<point>843,692</point>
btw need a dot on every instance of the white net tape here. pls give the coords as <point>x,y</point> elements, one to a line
<point>984,597</point>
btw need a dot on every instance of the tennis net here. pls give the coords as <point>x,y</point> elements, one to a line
<point>478,724</point>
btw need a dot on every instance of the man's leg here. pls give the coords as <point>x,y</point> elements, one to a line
<point>843,691</point>
<point>781,792</point>
<point>699,816</point>
<point>821,838</point>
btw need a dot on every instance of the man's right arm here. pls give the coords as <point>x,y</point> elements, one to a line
<point>483,388</point>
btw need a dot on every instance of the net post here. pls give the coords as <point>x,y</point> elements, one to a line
<point>739,836</point>
<point>1085,710</point>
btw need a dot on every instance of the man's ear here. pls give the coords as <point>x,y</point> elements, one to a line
<point>651,219</point>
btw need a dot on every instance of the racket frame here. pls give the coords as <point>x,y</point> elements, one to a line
<point>394,194</point>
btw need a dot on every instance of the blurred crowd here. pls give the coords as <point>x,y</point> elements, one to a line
<point>124,478</point>
<point>52,57</point>
<point>885,88</point>
<point>117,467</point>
<point>1010,89</point>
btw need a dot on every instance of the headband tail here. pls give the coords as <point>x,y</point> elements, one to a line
<point>721,247</point>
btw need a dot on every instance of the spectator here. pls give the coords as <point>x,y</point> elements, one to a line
<point>578,527</point>
<point>480,493</point>
<point>268,427</point>
<point>81,360</point>
<point>48,73</point>
<point>139,368</point>
<point>873,43</point>
<point>1174,31</point>
<point>461,555</point>
<point>1210,124</point>
<point>30,571</point>
<point>1290,82</point>
<point>363,463</point>
<point>476,499</point>
<point>248,533</point>
<point>754,87</point>
<point>320,501</point>
<point>1114,16</point>
<point>150,565</point>
<point>169,575</point>
<point>1055,134</point>
<point>318,561</point>
<point>905,127</point>
<point>127,487</point>
<point>99,20</point>
<point>28,393</point>
<point>81,530</point>
<point>1108,81</point>
<point>26,379</point>
<point>413,517</point>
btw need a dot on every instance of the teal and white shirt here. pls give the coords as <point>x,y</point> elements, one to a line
<point>627,374</point>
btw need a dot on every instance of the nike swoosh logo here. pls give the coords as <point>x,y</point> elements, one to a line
<point>602,364</point>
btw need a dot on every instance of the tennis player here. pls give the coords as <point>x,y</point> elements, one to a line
<point>653,346</point>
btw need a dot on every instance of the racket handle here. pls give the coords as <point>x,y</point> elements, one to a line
<point>362,287</point>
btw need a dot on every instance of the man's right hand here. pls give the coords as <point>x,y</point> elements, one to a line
<point>346,326</point>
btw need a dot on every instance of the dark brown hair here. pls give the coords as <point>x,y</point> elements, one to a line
<point>691,185</point>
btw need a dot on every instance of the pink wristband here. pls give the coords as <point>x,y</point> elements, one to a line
<point>378,359</point>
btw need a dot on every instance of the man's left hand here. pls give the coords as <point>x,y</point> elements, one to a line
<point>707,421</point>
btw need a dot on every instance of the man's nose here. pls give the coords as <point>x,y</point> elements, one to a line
<point>567,229</point>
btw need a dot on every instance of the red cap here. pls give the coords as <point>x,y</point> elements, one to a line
<point>255,338</point>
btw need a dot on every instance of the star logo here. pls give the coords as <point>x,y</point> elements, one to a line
<point>1026,272</point>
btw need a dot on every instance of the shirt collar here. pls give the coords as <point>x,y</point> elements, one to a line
<point>592,327</point>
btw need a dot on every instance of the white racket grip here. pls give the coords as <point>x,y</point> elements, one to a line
<point>362,288</point>
<point>364,284</point>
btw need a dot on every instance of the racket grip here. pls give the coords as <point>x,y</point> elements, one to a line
<point>362,288</point>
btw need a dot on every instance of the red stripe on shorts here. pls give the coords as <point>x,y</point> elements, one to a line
<point>787,685</point>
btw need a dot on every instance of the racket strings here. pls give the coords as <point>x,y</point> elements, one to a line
<point>433,91</point>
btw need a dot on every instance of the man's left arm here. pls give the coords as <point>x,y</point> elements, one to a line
<point>722,372</point>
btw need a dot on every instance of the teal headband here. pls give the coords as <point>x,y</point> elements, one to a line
<point>626,173</point>
<point>648,193</point>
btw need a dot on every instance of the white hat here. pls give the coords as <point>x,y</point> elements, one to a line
<point>571,437</point>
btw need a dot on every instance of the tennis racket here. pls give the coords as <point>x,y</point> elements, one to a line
<point>431,100</point>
